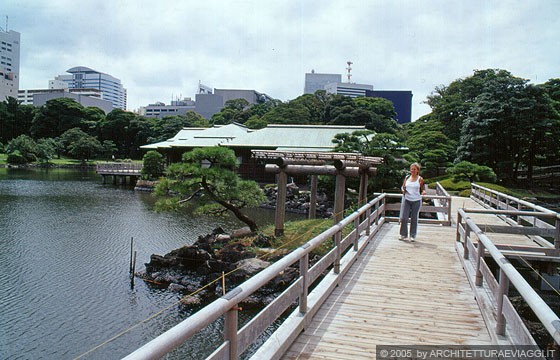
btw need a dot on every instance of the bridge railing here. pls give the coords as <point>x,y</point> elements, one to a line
<point>542,226</point>
<point>308,298</point>
<point>118,168</point>
<point>441,208</point>
<point>476,242</point>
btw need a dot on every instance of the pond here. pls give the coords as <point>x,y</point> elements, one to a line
<point>64,285</point>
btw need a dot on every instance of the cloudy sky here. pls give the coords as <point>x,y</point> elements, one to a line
<point>161,49</point>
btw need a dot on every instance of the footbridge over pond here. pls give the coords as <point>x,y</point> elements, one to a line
<point>449,287</point>
<point>119,172</point>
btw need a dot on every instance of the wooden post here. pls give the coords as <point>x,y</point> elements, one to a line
<point>362,195</point>
<point>466,244</point>
<point>303,272</point>
<point>478,276</point>
<point>338,253</point>
<point>280,203</point>
<point>502,291</point>
<point>557,234</point>
<point>230,331</point>
<point>449,211</point>
<point>458,233</point>
<point>357,236</point>
<point>130,270</point>
<point>377,214</point>
<point>133,271</point>
<point>368,221</point>
<point>313,198</point>
<point>339,198</point>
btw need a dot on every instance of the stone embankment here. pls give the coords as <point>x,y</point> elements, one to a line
<point>145,185</point>
<point>198,266</point>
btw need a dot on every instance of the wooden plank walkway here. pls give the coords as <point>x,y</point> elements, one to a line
<point>503,240</point>
<point>400,293</point>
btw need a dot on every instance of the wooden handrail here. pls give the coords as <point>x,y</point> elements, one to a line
<point>441,208</point>
<point>297,292</point>
<point>503,204</point>
<point>467,230</point>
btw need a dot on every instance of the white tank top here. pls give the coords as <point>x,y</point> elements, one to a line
<point>412,190</point>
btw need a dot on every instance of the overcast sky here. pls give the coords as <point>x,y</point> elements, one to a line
<point>161,49</point>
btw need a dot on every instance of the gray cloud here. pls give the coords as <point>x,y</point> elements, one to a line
<point>164,48</point>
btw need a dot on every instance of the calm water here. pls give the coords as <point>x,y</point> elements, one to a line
<point>64,258</point>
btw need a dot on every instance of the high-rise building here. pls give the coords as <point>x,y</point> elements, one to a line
<point>315,81</point>
<point>207,104</point>
<point>348,89</point>
<point>9,64</point>
<point>82,78</point>
<point>401,99</point>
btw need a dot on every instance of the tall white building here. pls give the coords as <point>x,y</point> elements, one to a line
<point>9,64</point>
<point>315,81</point>
<point>82,78</point>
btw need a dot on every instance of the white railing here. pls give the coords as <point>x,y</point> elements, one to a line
<point>118,168</point>
<point>299,293</point>
<point>492,199</point>
<point>474,241</point>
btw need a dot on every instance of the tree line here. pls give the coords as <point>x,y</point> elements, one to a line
<point>491,119</point>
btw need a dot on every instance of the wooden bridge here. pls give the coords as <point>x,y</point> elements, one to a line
<point>119,172</point>
<point>372,289</point>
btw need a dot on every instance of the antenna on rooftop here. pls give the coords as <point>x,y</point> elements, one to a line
<point>349,68</point>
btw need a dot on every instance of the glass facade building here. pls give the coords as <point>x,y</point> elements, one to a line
<point>82,77</point>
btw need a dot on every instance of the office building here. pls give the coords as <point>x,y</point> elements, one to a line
<point>82,78</point>
<point>402,102</point>
<point>207,104</point>
<point>9,64</point>
<point>315,81</point>
<point>348,89</point>
<point>59,89</point>
<point>160,110</point>
<point>401,99</point>
<point>40,98</point>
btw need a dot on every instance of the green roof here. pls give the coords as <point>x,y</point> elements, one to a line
<point>293,137</point>
<point>276,137</point>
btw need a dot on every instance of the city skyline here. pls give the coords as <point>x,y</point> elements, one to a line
<point>161,51</point>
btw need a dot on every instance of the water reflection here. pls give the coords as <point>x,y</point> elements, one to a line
<point>65,240</point>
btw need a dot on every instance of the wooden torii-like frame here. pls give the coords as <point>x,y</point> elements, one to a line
<point>340,165</point>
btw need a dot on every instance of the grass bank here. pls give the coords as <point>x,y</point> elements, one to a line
<point>297,233</point>
<point>62,162</point>
<point>462,188</point>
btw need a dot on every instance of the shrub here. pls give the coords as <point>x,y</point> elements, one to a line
<point>472,172</point>
<point>465,193</point>
<point>25,147</point>
<point>153,165</point>
<point>16,158</point>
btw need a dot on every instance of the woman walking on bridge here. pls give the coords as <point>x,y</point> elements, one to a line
<point>413,188</point>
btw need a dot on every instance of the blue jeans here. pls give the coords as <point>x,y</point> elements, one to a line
<point>412,209</point>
